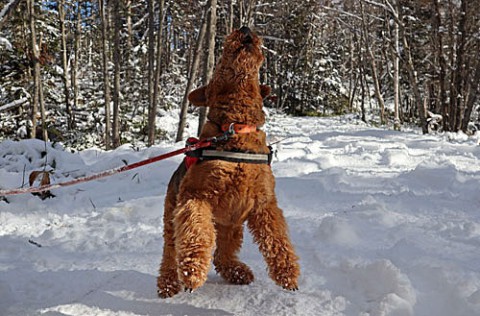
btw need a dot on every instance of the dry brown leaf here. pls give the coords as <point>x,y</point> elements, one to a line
<point>45,177</point>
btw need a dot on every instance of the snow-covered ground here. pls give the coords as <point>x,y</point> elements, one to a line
<point>385,223</point>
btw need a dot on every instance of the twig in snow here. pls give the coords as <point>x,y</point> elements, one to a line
<point>93,204</point>
<point>35,243</point>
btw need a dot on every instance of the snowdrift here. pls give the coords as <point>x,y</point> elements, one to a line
<point>385,223</point>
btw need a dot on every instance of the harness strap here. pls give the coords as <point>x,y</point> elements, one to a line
<point>209,153</point>
<point>234,156</point>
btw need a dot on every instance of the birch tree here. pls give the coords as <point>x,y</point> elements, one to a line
<point>64,54</point>
<point>156,80</point>
<point>373,63</point>
<point>76,59</point>
<point>116,81</point>
<point>191,78</point>
<point>37,96</point>
<point>106,75</point>
<point>152,105</point>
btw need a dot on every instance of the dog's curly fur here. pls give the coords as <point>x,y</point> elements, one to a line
<point>207,205</point>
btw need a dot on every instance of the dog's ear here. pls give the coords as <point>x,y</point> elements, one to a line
<point>198,96</point>
<point>265,90</point>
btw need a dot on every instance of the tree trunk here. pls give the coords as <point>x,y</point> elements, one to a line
<point>41,100</point>
<point>249,10</point>
<point>352,78</point>
<point>210,64</point>
<point>473,86</point>
<point>412,75</point>
<point>231,13</point>
<point>128,40</point>
<point>36,66</point>
<point>443,66</point>
<point>452,106</point>
<point>193,76</point>
<point>106,75</point>
<point>473,96</point>
<point>361,69</point>
<point>362,85</point>
<point>66,80</point>
<point>158,72</point>
<point>78,38</point>
<point>116,85</point>
<point>461,74</point>
<point>152,106</point>
<point>396,77</point>
<point>373,65</point>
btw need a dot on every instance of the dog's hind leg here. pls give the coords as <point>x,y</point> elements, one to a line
<point>194,241</point>
<point>225,259</point>
<point>270,232</point>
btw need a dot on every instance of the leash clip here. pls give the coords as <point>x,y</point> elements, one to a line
<point>226,135</point>
<point>231,130</point>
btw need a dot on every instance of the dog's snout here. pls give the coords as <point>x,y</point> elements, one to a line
<point>247,35</point>
<point>245,30</point>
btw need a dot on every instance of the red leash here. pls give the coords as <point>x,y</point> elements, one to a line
<point>192,147</point>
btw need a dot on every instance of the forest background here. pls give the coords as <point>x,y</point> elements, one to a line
<point>104,73</point>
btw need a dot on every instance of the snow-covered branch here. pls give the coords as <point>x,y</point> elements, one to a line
<point>13,104</point>
<point>273,38</point>
<point>6,9</point>
<point>342,12</point>
<point>6,43</point>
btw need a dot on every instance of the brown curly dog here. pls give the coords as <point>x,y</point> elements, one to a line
<point>207,204</point>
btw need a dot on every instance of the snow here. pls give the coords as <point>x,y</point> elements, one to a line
<point>5,43</point>
<point>385,223</point>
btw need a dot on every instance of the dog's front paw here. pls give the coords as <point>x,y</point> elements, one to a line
<point>287,283</point>
<point>286,275</point>
<point>192,275</point>
<point>168,285</point>
<point>290,287</point>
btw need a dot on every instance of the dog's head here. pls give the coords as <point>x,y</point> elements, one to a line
<point>235,80</point>
<point>242,54</point>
